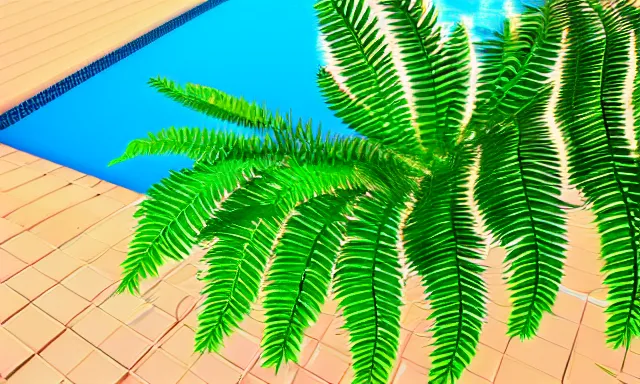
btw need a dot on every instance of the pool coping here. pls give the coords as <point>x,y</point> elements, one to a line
<point>46,96</point>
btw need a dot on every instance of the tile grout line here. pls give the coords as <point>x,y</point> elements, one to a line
<point>573,345</point>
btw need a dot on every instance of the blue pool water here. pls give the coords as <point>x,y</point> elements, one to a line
<point>262,50</point>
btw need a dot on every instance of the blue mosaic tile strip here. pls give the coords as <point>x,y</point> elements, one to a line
<point>31,105</point>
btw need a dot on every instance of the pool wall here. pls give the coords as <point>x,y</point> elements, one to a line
<point>31,105</point>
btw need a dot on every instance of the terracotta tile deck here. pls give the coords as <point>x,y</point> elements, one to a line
<point>63,235</point>
<point>44,41</point>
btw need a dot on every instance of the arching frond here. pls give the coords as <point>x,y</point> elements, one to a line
<point>368,287</point>
<point>299,277</point>
<point>176,211</point>
<point>442,247</point>
<point>300,142</point>
<point>361,54</point>
<point>518,191</point>
<point>517,66</point>
<point>591,116</point>
<point>215,103</point>
<point>439,78</point>
<point>246,229</point>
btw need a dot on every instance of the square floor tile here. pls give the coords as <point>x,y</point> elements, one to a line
<point>486,362</point>
<point>306,377</point>
<point>582,370</point>
<point>125,346</point>
<point>418,349</point>
<point>62,304</point>
<point>240,349</point>
<point>11,301</point>
<point>175,302</point>
<point>30,283</point>
<point>181,345</point>
<point>160,368</point>
<point>336,336</point>
<point>125,196</point>
<point>594,317</point>
<point>152,323</point>
<point>67,174</point>
<point>12,353</point>
<point>285,375</point>
<point>540,354</point>
<point>28,247</point>
<point>87,283</point>
<point>20,158</point>
<point>410,373</point>
<point>512,371</point>
<point>8,230</point>
<point>632,364</point>
<point>84,248</point>
<point>558,330</point>
<point>328,364</point>
<point>191,378</point>
<point>592,344</point>
<point>57,265</point>
<point>109,264</point>
<point>124,307</point>
<point>494,334</point>
<point>43,165</point>
<point>67,351</point>
<point>569,307</point>
<point>112,230</point>
<point>97,368</point>
<point>212,368</point>
<point>34,327</point>
<point>469,377</point>
<point>96,326</point>
<point>38,371</point>
<point>11,265</point>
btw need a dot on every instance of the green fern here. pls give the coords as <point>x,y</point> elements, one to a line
<point>215,103</point>
<point>518,190</point>
<point>177,209</point>
<point>368,287</point>
<point>591,113</point>
<point>301,272</point>
<point>443,249</point>
<point>359,49</point>
<point>301,214</point>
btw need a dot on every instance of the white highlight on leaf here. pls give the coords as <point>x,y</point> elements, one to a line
<point>509,9</point>
<point>473,79</point>
<point>396,55</point>
<point>627,96</point>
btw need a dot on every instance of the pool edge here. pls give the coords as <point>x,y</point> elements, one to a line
<point>42,98</point>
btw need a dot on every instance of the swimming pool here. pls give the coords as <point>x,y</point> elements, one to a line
<point>264,51</point>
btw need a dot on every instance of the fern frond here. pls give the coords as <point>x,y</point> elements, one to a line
<point>631,15</point>
<point>299,277</point>
<point>439,78</point>
<point>177,209</point>
<point>591,115</point>
<point>300,142</point>
<point>368,287</point>
<point>519,66</point>
<point>518,192</point>
<point>246,229</point>
<point>215,103</point>
<point>359,50</point>
<point>199,144</point>
<point>442,247</point>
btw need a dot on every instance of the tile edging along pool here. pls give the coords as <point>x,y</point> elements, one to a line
<point>34,103</point>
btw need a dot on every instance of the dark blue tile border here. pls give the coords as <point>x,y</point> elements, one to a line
<point>31,105</point>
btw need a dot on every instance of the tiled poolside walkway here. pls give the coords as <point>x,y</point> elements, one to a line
<point>44,41</point>
<point>63,235</point>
